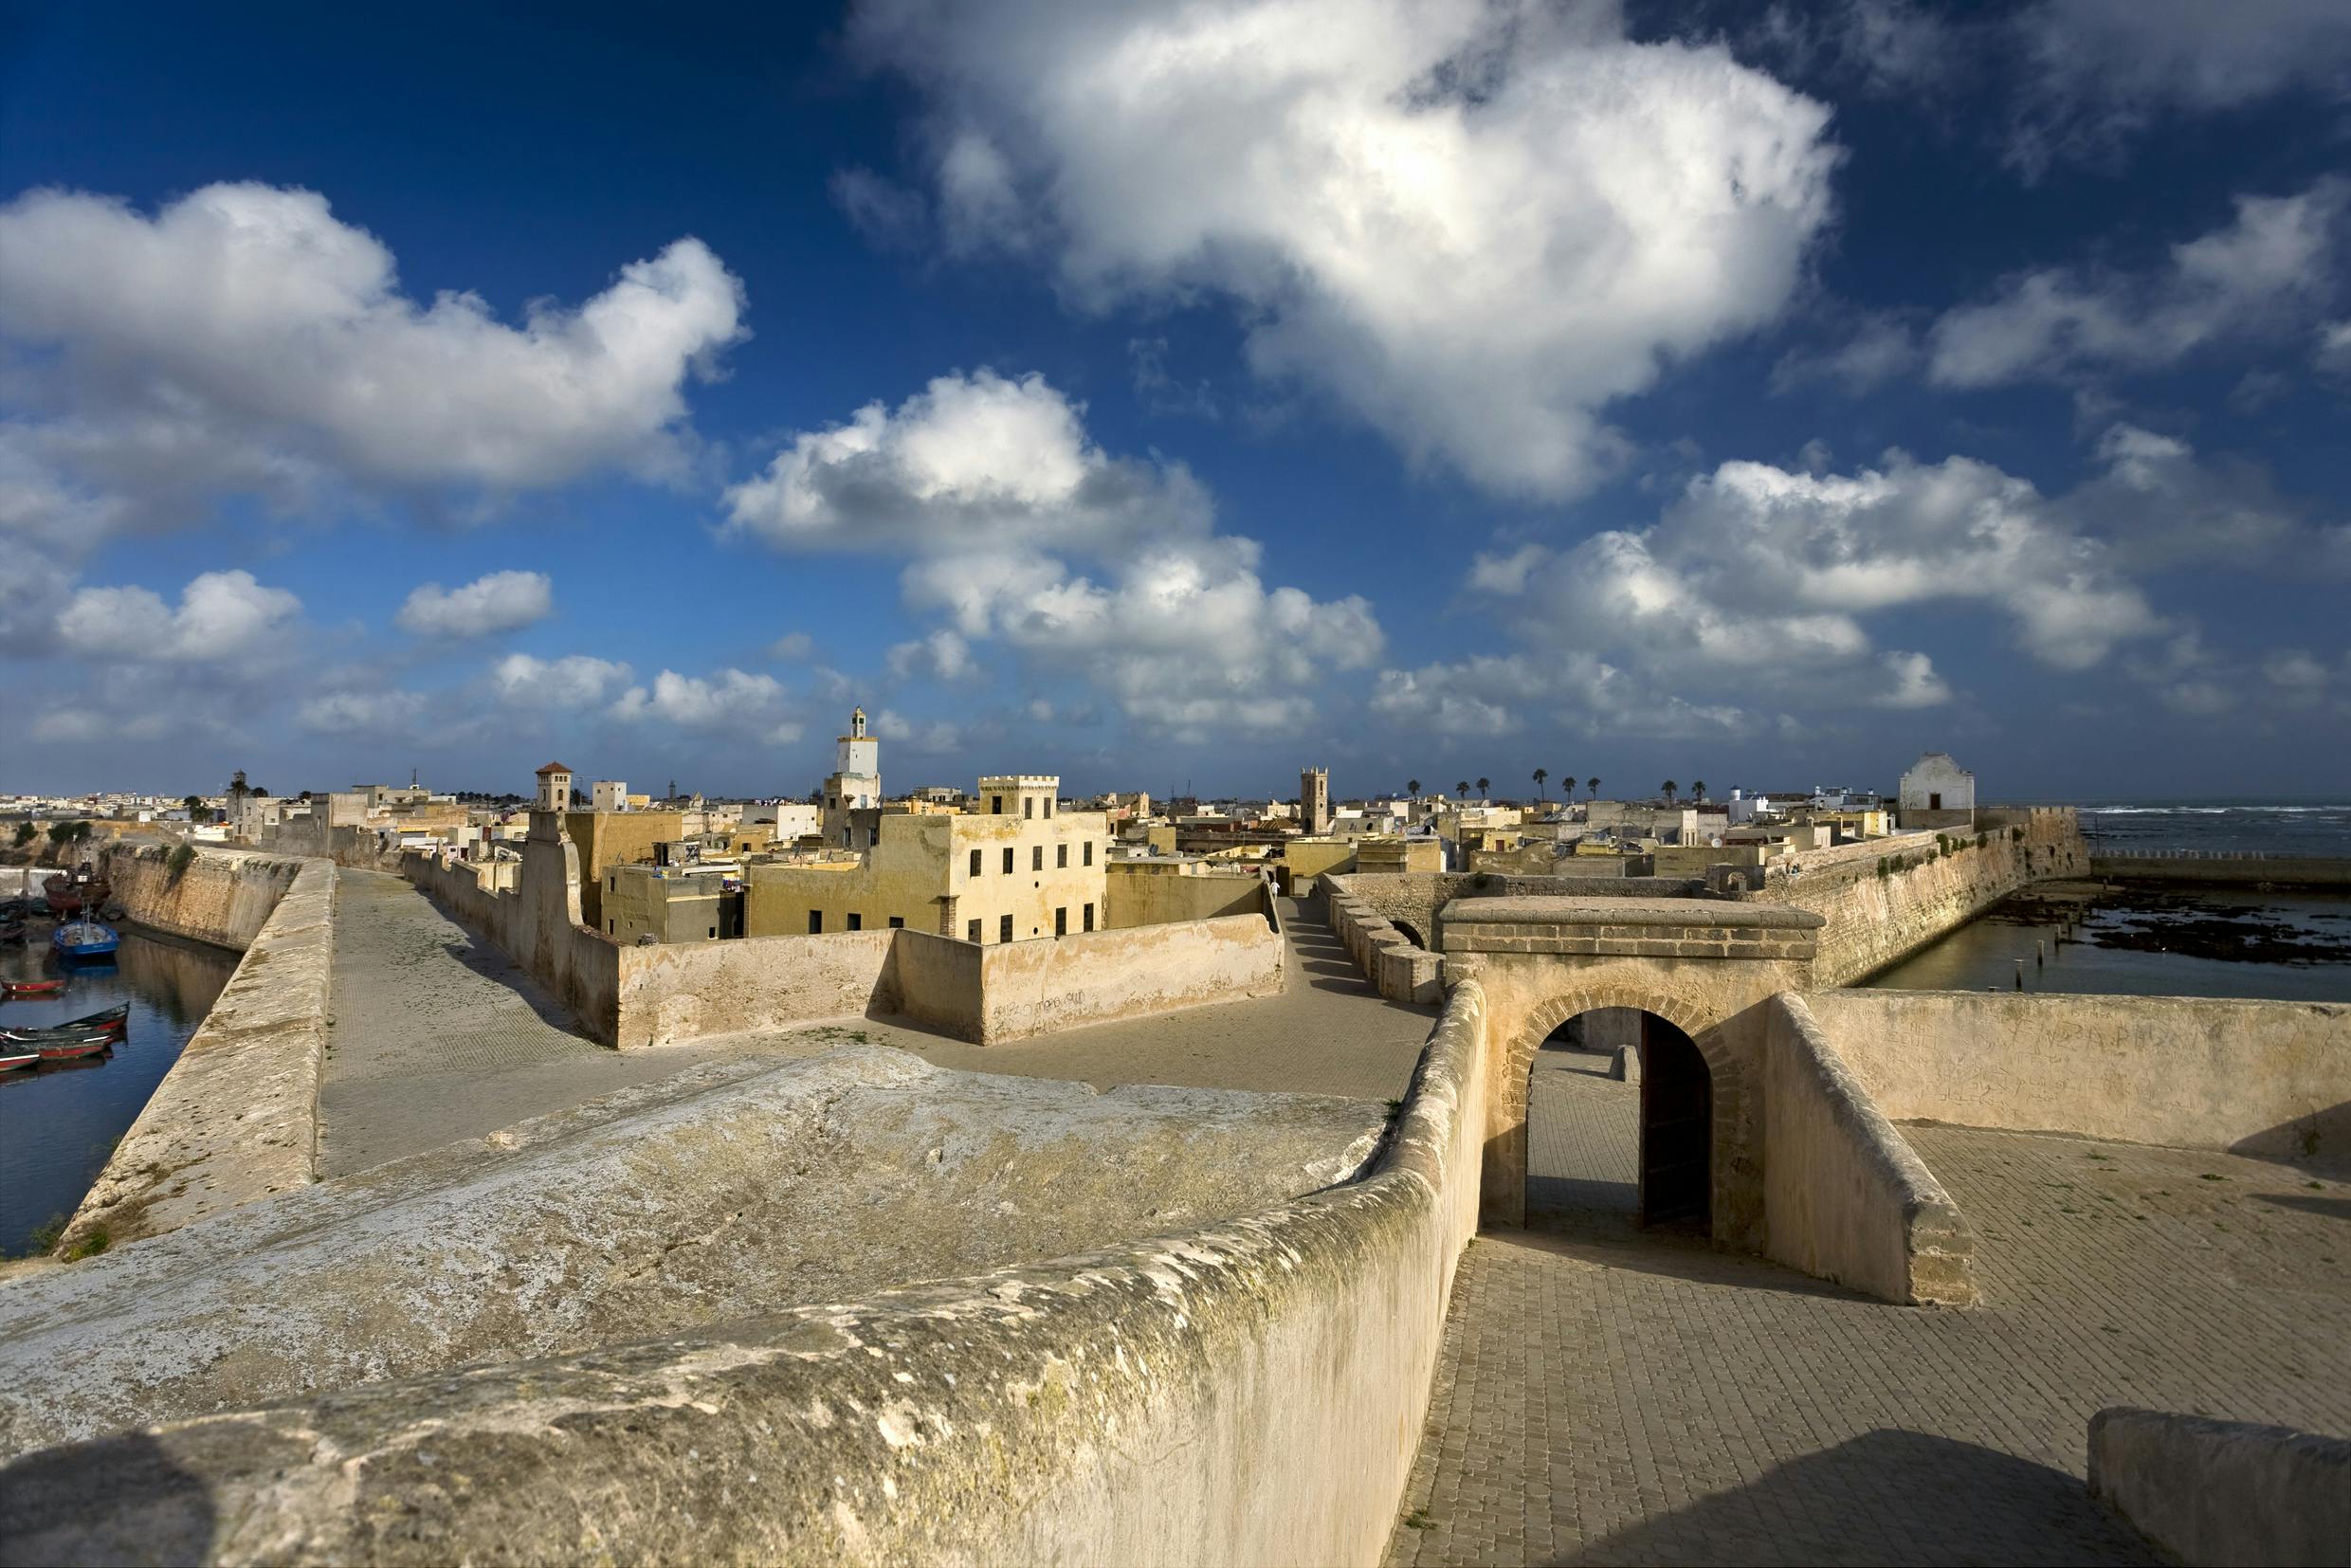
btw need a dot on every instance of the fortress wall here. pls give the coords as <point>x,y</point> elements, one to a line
<point>1147,898</point>
<point>1873,919</point>
<point>1845,1196</point>
<point>223,896</point>
<point>237,1116</point>
<point>1415,897</point>
<point>2257,1078</point>
<point>1032,988</point>
<point>2207,1491</point>
<point>672,992</point>
<point>1246,1392</point>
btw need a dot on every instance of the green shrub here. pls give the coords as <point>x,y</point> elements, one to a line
<point>1882,869</point>
<point>180,860</point>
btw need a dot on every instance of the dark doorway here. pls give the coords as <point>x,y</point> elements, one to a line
<point>1620,1126</point>
<point>1677,1129</point>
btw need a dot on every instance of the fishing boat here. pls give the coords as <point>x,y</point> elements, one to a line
<point>12,933</point>
<point>62,896</point>
<point>113,1021</point>
<point>84,939</point>
<point>32,988</point>
<point>14,1057</point>
<point>66,1050</point>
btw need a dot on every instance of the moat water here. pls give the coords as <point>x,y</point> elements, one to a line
<point>2136,941</point>
<point>59,1121</point>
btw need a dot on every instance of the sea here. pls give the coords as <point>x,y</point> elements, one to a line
<point>59,1121</point>
<point>2225,942</point>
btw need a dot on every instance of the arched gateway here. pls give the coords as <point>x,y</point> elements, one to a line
<point>1705,966</point>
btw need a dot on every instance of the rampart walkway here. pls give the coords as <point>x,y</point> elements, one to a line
<point>435,1036</point>
<point>1611,1396</point>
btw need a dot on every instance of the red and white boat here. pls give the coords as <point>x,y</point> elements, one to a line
<point>12,1057</point>
<point>32,988</point>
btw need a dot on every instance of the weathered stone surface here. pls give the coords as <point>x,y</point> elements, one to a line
<point>2214,1493</point>
<point>219,895</point>
<point>720,1193</point>
<point>237,1116</point>
<point>1245,1393</point>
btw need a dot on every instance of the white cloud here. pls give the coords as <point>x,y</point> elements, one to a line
<point>222,615</point>
<point>990,485</point>
<point>1872,351</point>
<point>791,646</point>
<point>931,736</point>
<point>575,680</point>
<point>385,713</point>
<point>969,462</point>
<point>2268,270</point>
<point>243,338</point>
<point>500,602</point>
<point>1916,684</point>
<point>732,701</point>
<point>1472,226</point>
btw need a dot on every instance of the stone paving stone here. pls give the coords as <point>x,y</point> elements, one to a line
<point>1610,1395</point>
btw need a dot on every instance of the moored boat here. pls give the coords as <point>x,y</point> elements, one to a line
<point>12,1057</point>
<point>111,1023</point>
<point>84,939</point>
<point>32,988</point>
<point>66,1050</point>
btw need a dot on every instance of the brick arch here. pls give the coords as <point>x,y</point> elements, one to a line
<point>1503,1181</point>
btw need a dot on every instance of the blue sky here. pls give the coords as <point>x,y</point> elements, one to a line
<point>1182,395</point>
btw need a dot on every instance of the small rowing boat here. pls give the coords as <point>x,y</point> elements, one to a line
<point>32,988</point>
<point>12,1057</point>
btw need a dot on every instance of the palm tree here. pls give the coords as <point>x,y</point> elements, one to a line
<point>1698,788</point>
<point>1591,787</point>
<point>1462,789</point>
<point>1541,773</point>
<point>1483,785</point>
<point>1412,787</point>
<point>1669,787</point>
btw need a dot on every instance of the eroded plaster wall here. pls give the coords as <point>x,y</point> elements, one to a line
<point>669,992</point>
<point>1845,1196</point>
<point>219,895</point>
<point>1028,988</point>
<point>2259,1077</point>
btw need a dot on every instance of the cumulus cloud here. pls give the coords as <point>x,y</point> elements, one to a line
<point>2268,270</point>
<point>222,615</point>
<point>244,339</point>
<point>971,461</point>
<point>575,680</point>
<point>732,701</point>
<point>500,602</point>
<point>1019,529</point>
<point>1472,226</point>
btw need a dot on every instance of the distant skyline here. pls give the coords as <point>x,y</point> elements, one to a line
<point>1760,394</point>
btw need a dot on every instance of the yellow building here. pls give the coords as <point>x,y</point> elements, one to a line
<point>1017,868</point>
<point>669,904</point>
<point>606,839</point>
<point>1390,854</point>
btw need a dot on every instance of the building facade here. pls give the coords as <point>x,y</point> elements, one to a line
<point>1938,792</point>
<point>1314,802</point>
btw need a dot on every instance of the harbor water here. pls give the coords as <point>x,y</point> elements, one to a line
<point>59,1121</point>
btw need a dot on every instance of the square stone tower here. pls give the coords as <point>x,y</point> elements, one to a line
<point>1314,801</point>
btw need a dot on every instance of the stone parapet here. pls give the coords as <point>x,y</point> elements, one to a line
<point>2212,1493</point>
<point>1631,928</point>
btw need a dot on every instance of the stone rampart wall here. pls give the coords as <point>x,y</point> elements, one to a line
<point>237,1116</point>
<point>360,849</point>
<point>2210,1492</point>
<point>672,992</point>
<point>1874,919</point>
<point>1143,897</point>
<point>1845,1196</point>
<point>1032,988</point>
<point>221,895</point>
<point>2260,1078</point>
<point>1251,1392</point>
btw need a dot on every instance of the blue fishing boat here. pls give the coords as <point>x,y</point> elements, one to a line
<point>84,939</point>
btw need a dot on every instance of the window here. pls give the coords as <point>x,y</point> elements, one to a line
<point>611,928</point>
<point>1004,929</point>
<point>972,933</point>
<point>1061,857</point>
<point>1061,921</point>
<point>1007,861</point>
<point>1934,802</point>
<point>816,923</point>
<point>996,805</point>
<point>897,922</point>
<point>1090,851</point>
<point>857,922</point>
<point>1089,917</point>
<point>1037,857</point>
<point>1028,805</point>
<point>713,930</point>
<point>975,863</point>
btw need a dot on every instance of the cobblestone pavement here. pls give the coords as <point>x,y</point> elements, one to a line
<point>435,1036</point>
<point>1606,1396</point>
